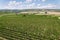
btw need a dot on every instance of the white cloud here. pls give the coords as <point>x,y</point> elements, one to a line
<point>19,5</point>
<point>35,0</point>
<point>13,5</point>
<point>49,6</point>
<point>28,0</point>
<point>22,5</point>
<point>43,0</point>
<point>32,5</point>
<point>38,5</point>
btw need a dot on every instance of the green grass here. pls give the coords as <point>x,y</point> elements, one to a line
<point>30,27</point>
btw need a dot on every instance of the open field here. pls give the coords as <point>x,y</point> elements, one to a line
<point>30,27</point>
<point>55,13</point>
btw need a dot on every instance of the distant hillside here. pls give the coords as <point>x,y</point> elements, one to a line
<point>5,10</point>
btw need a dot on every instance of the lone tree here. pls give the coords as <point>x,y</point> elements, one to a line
<point>45,12</point>
<point>24,15</point>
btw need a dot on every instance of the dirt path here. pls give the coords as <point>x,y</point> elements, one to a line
<point>55,13</point>
<point>50,13</point>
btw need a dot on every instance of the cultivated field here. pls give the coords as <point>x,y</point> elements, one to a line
<point>50,13</point>
<point>30,27</point>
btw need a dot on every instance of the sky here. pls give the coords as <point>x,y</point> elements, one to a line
<point>29,4</point>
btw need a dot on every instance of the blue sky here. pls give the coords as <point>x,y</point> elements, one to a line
<point>29,4</point>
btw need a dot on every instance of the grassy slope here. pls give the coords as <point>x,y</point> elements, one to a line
<point>35,27</point>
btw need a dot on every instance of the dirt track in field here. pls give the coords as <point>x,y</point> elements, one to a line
<point>55,13</point>
<point>51,13</point>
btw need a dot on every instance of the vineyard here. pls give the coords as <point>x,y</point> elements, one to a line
<point>30,27</point>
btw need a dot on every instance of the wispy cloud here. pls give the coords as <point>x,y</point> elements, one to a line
<point>43,0</point>
<point>29,4</point>
<point>29,0</point>
<point>48,6</point>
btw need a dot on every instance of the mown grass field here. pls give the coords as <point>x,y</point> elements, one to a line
<point>30,27</point>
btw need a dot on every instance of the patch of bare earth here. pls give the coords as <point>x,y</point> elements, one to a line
<point>54,13</point>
